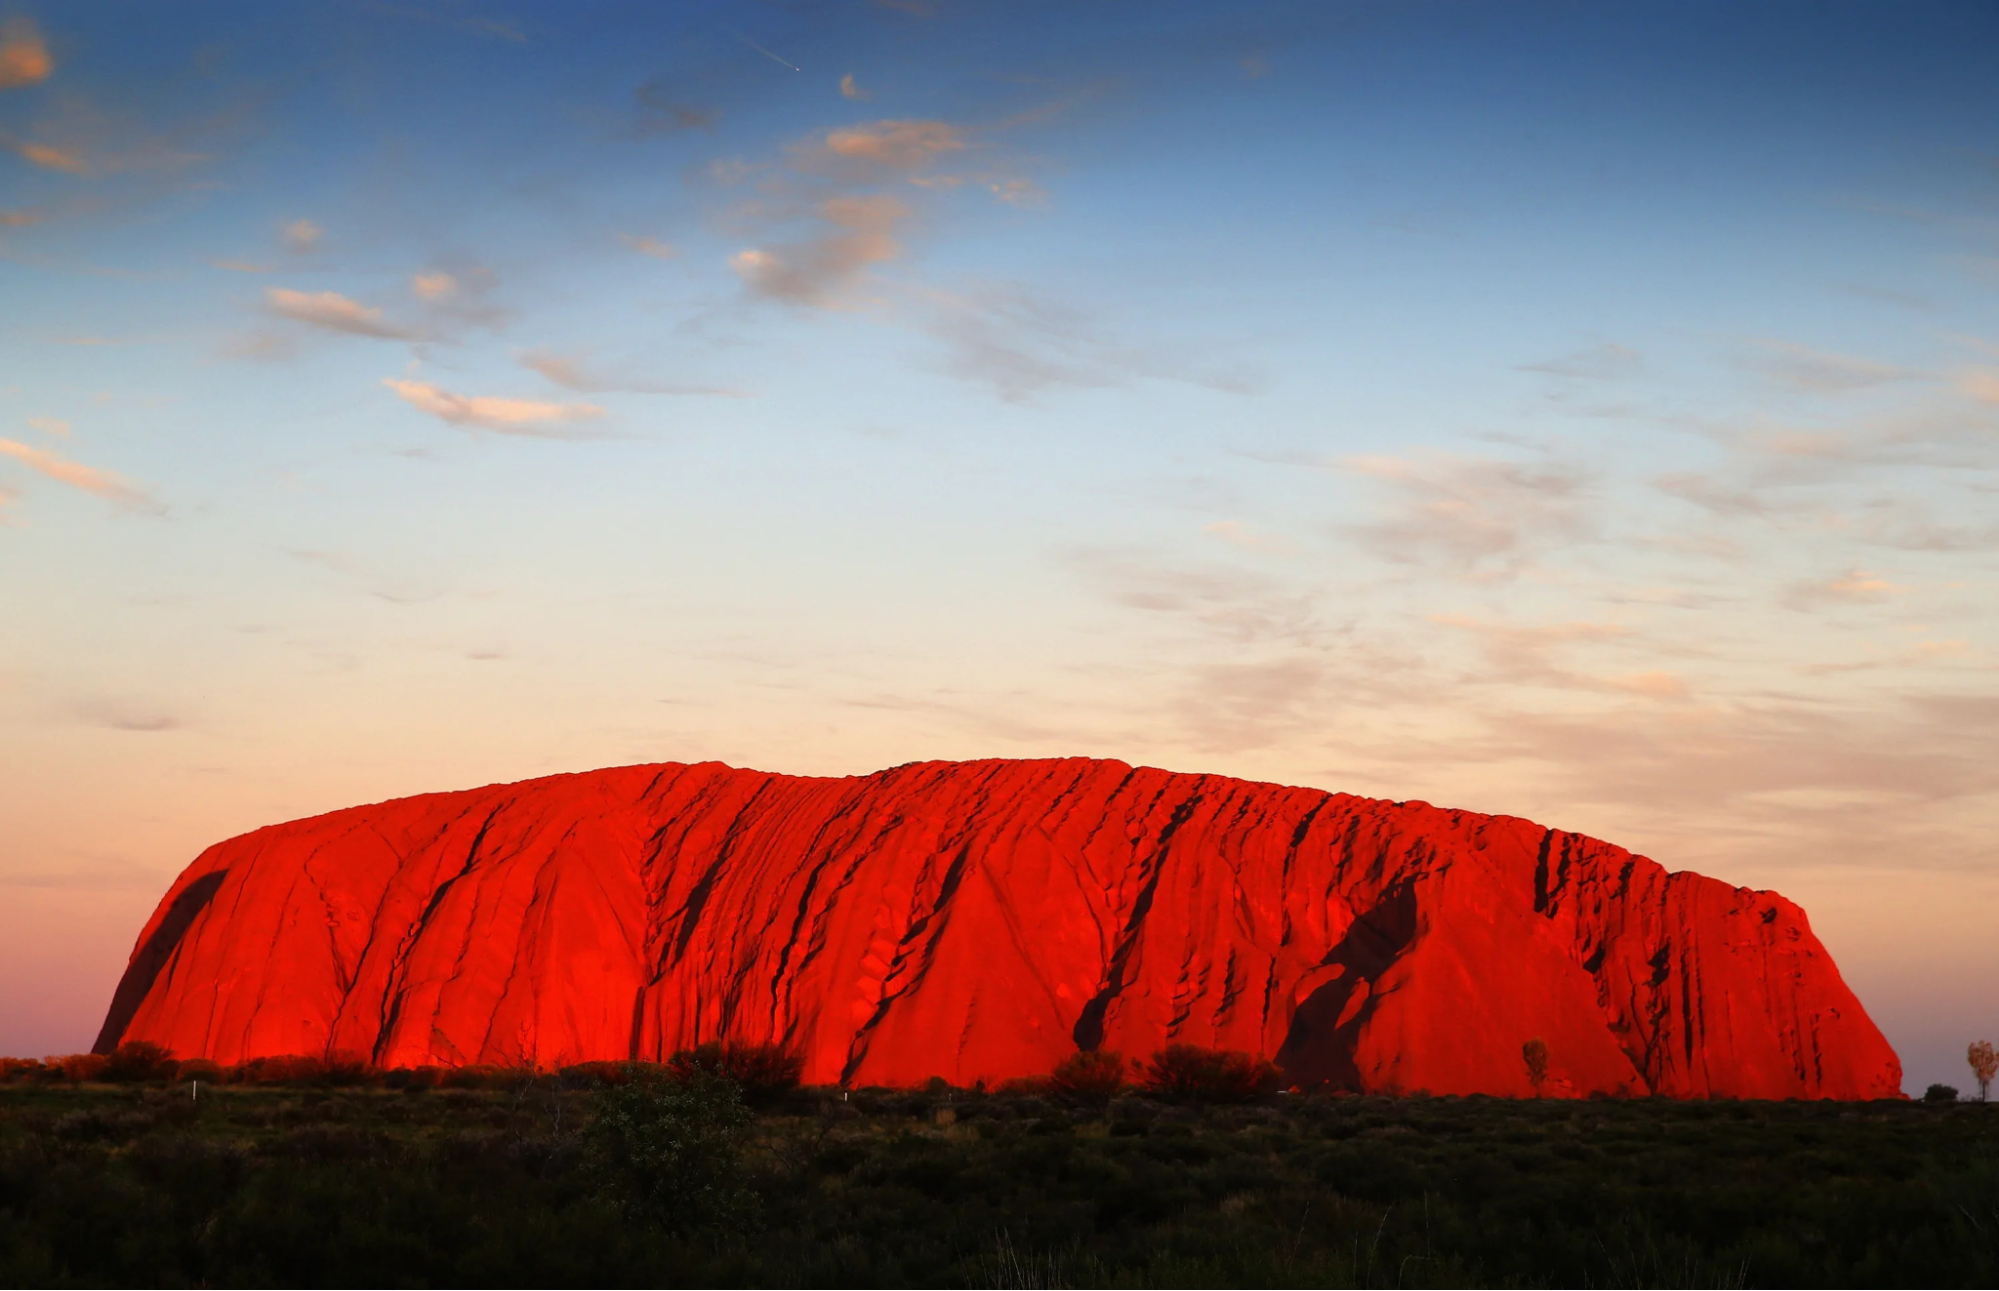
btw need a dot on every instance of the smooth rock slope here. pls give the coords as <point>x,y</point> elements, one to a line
<point>982,920</point>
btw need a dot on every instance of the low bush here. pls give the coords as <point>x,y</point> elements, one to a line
<point>77,1068</point>
<point>1094,1075</point>
<point>281,1069</point>
<point>761,1071</point>
<point>13,1069</point>
<point>1940,1094</point>
<point>482,1076</point>
<point>410,1078</point>
<point>138,1061</point>
<point>1189,1072</point>
<point>669,1152</point>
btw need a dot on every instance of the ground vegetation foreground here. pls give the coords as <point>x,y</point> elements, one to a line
<point>672,1179</point>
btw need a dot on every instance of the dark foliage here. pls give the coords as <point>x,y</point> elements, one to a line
<point>1185,1071</point>
<point>669,1152</point>
<point>1940,1094</point>
<point>139,1061</point>
<point>538,1182</point>
<point>762,1071</point>
<point>1092,1076</point>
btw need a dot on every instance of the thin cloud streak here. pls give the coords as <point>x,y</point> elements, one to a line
<point>532,418</point>
<point>103,484</point>
<point>574,374</point>
<point>334,312</point>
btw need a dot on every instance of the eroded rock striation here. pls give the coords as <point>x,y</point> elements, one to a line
<point>983,920</point>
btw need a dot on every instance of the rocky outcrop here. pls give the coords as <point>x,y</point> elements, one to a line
<point>983,920</point>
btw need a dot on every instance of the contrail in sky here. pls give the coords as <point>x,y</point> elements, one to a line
<point>761,50</point>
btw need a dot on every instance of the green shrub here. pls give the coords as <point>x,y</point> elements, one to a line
<point>669,1152</point>
<point>1185,1071</point>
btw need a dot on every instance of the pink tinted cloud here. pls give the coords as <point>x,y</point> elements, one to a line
<point>816,272</point>
<point>105,485</point>
<point>530,417</point>
<point>332,311</point>
<point>24,56</point>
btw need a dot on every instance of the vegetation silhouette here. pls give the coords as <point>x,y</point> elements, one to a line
<point>1984,1065</point>
<point>664,1174</point>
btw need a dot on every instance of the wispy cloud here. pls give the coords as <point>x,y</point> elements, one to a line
<point>492,28</point>
<point>1471,510</point>
<point>649,246</point>
<point>573,373</point>
<point>818,272</point>
<point>332,311</point>
<point>880,146</point>
<point>529,417</point>
<point>1238,534</point>
<point>122,716</point>
<point>662,111</point>
<point>434,286</point>
<point>241,266</point>
<point>104,484</point>
<point>301,236</point>
<point>24,56</point>
<point>1813,371</point>
<point>49,157</point>
<point>850,90</point>
<point>1858,586</point>
<point>1607,362</point>
<point>20,217</point>
<point>1980,385</point>
<point>50,426</point>
<point>1024,344</point>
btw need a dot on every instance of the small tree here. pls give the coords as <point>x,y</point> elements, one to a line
<point>140,1060</point>
<point>1535,1052</point>
<point>1984,1065</point>
<point>1092,1076</point>
<point>1207,1075</point>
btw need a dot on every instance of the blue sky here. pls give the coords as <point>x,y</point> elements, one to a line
<point>1581,412</point>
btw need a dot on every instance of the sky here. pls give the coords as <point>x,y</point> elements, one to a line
<point>1581,412</point>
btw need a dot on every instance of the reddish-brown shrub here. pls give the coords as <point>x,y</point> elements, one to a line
<point>1027,1087</point>
<point>1207,1075</point>
<point>140,1060</point>
<point>282,1069</point>
<point>1092,1075</point>
<point>13,1069</point>
<point>77,1068</point>
<point>203,1070</point>
<point>603,1073</point>
<point>763,1070</point>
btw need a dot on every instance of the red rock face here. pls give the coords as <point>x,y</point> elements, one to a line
<point>982,920</point>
